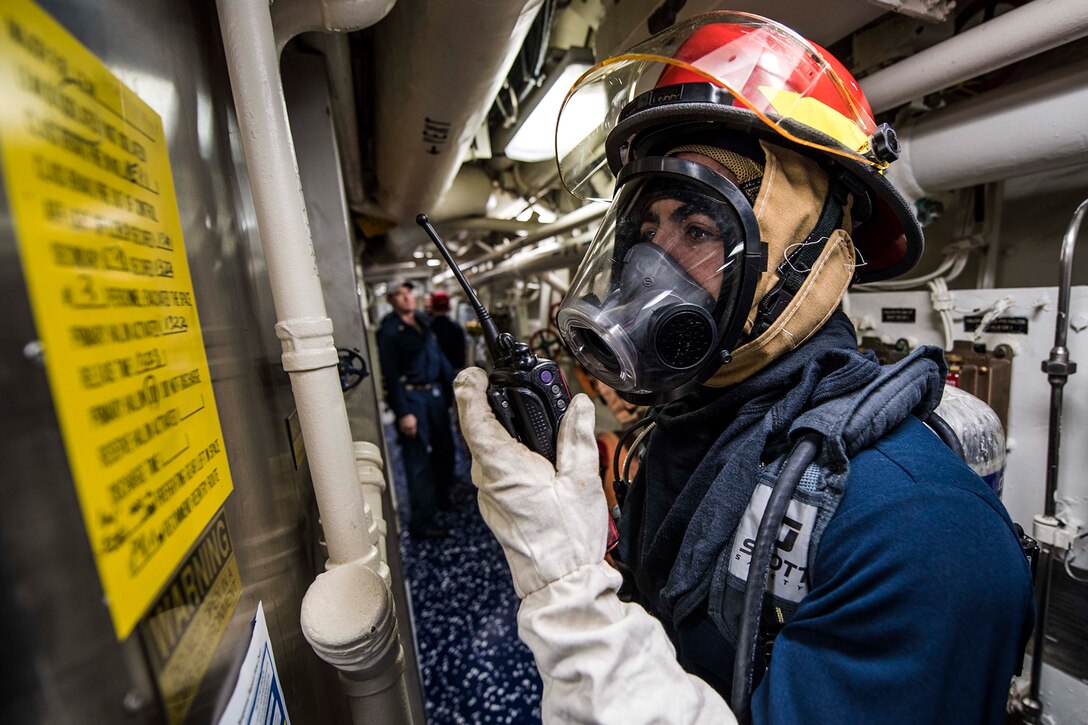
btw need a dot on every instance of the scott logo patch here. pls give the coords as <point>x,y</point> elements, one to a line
<point>789,561</point>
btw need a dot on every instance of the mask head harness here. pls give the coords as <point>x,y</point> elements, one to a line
<point>666,287</point>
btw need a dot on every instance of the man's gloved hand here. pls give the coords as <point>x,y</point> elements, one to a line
<point>550,521</point>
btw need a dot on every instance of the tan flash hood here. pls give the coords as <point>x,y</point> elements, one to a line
<point>791,197</point>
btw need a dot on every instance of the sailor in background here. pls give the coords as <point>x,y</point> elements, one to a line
<point>450,335</point>
<point>418,379</point>
<point>748,196</point>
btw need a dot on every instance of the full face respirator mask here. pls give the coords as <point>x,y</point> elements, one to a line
<point>663,293</point>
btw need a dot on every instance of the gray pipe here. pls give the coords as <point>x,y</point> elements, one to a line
<point>1034,125</point>
<point>1058,368</point>
<point>1013,36</point>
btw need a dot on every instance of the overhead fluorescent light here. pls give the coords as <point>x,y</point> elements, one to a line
<point>533,138</point>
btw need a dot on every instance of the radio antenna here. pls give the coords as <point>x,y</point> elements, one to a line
<point>491,331</point>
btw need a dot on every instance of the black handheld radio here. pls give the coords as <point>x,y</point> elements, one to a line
<point>527,393</point>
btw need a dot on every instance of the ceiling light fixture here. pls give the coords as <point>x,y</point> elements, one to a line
<point>532,138</point>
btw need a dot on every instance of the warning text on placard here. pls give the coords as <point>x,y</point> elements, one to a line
<point>87,173</point>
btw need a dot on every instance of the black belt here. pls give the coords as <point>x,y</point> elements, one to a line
<point>412,387</point>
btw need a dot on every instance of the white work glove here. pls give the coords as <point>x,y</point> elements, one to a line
<point>549,520</point>
<point>601,660</point>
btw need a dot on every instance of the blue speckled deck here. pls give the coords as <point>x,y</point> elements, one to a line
<point>474,667</point>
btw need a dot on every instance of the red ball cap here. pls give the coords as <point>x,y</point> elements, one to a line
<point>440,301</point>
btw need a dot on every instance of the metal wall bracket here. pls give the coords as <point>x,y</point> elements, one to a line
<point>1054,533</point>
<point>931,10</point>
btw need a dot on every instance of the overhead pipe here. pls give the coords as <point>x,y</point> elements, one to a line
<point>557,284</point>
<point>440,64</point>
<point>487,224</point>
<point>1023,128</point>
<point>577,218</point>
<point>536,261</point>
<point>356,579</point>
<point>1021,33</point>
<point>470,195</point>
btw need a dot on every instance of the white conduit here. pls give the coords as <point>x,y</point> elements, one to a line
<point>291,17</point>
<point>949,269</point>
<point>1031,126</point>
<point>1015,35</point>
<point>304,328</point>
<point>335,18</point>
<point>368,467</point>
<point>347,614</point>
<point>348,618</point>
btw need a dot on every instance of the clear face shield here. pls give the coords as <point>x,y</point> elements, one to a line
<point>760,65</point>
<point>664,290</point>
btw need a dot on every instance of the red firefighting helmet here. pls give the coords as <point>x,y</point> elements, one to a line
<point>745,74</point>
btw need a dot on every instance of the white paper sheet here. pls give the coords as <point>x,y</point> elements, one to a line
<point>258,696</point>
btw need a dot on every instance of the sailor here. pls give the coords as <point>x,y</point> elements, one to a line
<point>450,335</point>
<point>748,195</point>
<point>417,388</point>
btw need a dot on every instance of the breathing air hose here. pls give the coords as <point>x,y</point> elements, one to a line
<point>759,568</point>
<point>946,433</point>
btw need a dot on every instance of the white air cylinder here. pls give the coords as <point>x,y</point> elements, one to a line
<point>980,433</point>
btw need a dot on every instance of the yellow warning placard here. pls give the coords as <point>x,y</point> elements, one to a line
<point>92,201</point>
<point>184,625</point>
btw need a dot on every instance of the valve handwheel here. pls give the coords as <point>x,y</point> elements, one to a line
<point>352,368</point>
<point>546,343</point>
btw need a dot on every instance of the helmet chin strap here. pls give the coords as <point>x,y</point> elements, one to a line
<point>803,218</point>
<point>800,259</point>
